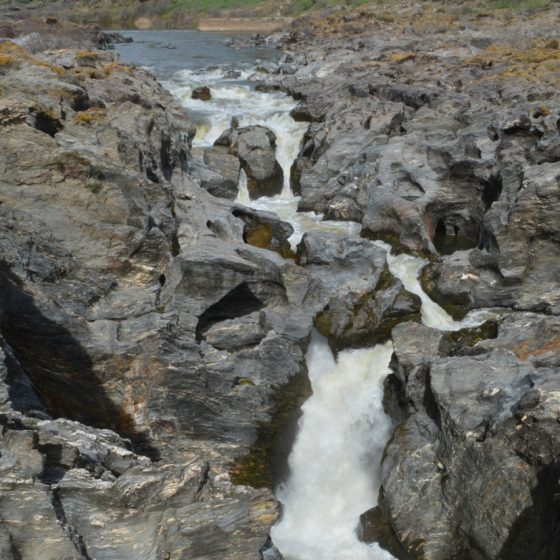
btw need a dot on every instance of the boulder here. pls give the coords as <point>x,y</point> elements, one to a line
<point>362,300</point>
<point>265,230</point>
<point>202,93</point>
<point>226,167</point>
<point>255,146</point>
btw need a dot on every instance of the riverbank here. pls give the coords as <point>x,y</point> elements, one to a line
<point>187,14</point>
<point>250,25</point>
<point>438,131</point>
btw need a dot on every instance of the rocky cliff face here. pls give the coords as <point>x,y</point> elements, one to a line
<point>439,132</point>
<point>99,319</point>
<point>152,335</point>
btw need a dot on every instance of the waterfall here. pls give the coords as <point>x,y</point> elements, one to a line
<point>407,269</point>
<point>335,461</point>
<point>343,430</point>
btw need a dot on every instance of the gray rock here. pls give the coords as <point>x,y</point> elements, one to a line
<point>469,442</point>
<point>265,230</point>
<point>101,226</point>
<point>362,299</point>
<point>226,167</point>
<point>255,146</point>
<point>202,93</point>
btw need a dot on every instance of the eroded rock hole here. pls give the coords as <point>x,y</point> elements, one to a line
<point>80,101</point>
<point>152,175</point>
<point>45,122</point>
<point>162,280</point>
<point>450,236</point>
<point>492,189</point>
<point>238,302</point>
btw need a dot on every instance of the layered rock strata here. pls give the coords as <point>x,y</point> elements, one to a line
<point>438,131</point>
<point>153,335</point>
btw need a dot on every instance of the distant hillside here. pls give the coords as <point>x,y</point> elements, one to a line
<point>162,13</point>
<point>179,14</point>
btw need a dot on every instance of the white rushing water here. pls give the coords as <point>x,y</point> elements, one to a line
<point>407,269</point>
<point>335,461</point>
<point>232,97</point>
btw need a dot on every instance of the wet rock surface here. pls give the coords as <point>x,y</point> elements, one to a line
<point>364,301</point>
<point>202,93</point>
<point>153,335</point>
<point>255,147</point>
<point>438,132</point>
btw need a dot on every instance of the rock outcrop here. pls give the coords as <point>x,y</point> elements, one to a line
<point>101,229</point>
<point>438,132</point>
<point>425,141</point>
<point>255,147</point>
<point>477,450</point>
<point>153,335</point>
<point>364,301</point>
<point>221,178</point>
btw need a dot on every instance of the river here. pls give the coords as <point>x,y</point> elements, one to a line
<point>334,464</point>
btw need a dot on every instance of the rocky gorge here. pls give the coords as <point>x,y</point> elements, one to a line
<point>154,330</point>
<point>440,134</point>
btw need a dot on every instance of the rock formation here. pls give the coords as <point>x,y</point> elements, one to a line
<point>152,335</point>
<point>255,147</point>
<point>152,332</point>
<point>444,141</point>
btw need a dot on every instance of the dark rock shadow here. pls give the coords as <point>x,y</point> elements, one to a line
<point>535,534</point>
<point>60,370</point>
<point>236,303</point>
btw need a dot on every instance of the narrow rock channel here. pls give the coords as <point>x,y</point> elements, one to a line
<point>194,364</point>
<point>334,466</point>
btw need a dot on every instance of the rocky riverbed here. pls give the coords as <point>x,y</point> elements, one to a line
<point>439,132</point>
<point>153,335</point>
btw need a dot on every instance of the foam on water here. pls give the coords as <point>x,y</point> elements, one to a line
<point>335,461</point>
<point>233,97</point>
<point>407,269</point>
<point>334,465</point>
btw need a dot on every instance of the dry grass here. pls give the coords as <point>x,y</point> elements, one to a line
<point>401,57</point>
<point>538,61</point>
<point>12,54</point>
<point>115,67</point>
<point>91,115</point>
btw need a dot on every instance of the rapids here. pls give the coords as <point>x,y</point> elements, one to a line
<point>335,462</point>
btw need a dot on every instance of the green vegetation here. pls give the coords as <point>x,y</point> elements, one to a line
<point>296,7</point>
<point>518,4</point>
<point>206,6</point>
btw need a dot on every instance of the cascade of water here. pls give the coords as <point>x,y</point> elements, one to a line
<point>232,97</point>
<point>407,269</point>
<point>335,461</point>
